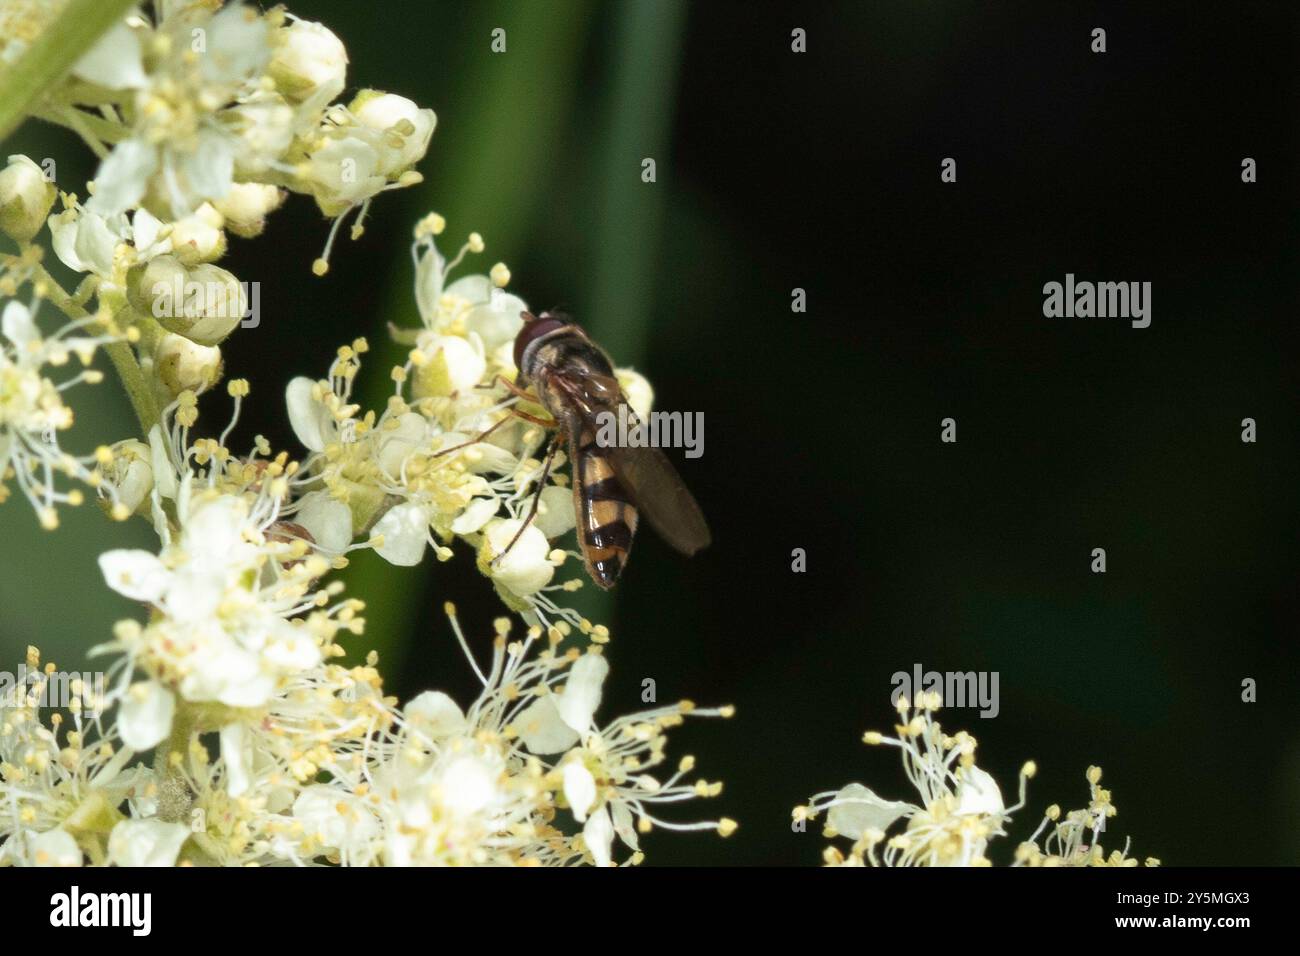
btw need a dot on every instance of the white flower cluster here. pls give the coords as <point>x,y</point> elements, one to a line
<point>960,810</point>
<point>324,769</point>
<point>33,412</point>
<point>228,732</point>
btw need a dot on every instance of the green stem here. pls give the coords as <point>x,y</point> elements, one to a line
<point>59,46</point>
<point>136,383</point>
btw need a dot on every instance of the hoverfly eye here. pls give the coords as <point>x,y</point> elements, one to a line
<point>530,331</point>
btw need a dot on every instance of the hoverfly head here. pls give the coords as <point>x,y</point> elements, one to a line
<point>534,329</point>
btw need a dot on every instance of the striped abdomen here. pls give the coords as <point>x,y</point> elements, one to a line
<point>605,513</point>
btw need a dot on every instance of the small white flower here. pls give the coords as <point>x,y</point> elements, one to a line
<point>408,128</point>
<point>223,631</point>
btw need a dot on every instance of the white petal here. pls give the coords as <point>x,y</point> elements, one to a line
<point>114,61</point>
<point>237,45</point>
<point>977,792</point>
<point>144,229</point>
<point>17,324</point>
<point>541,729</point>
<point>598,834</point>
<point>293,649</point>
<point>857,810</point>
<point>405,529</point>
<point>327,520</point>
<point>63,239</point>
<point>146,843</point>
<point>56,848</point>
<point>96,243</point>
<point>579,789</point>
<point>577,705</point>
<point>428,283</point>
<point>235,756</point>
<point>210,170</point>
<point>469,784</point>
<point>396,444</point>
<point>144,718</point>
<point>436,714</point>
<point>555,513</point>
<point>307,416</point>
<point>136,574</point>
<point>624,825</point>
<point>526,567</point>
<point>123,177</point>
<point>213,533</point>
<point>164,475</point>
<point>478,513</point>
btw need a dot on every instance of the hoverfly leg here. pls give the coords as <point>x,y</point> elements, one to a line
<point>552,423</point>
<point>473,441</point>
<point>511,387</point>
<point>537,497</point>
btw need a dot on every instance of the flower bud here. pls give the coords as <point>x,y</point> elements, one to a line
<point>309,62</point>
<point>246,206</point>
<point>212,303</point>
<point>451,364</point>
<point>155,287</point>
<point>198,237</point>
<point>406,127</point>
<point>181,364</point>
<point>26,198</point>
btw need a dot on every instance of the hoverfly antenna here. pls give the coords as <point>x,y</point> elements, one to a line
<point>527,316</point>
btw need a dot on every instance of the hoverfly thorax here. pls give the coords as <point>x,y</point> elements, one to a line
<point>612,486</point>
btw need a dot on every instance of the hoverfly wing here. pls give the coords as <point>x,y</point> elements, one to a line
<point>662,497</point>
<point>645,473</point>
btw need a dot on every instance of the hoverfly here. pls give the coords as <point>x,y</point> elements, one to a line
<point>612,486</point>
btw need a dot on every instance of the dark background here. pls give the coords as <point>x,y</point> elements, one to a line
<point>821,171</point>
